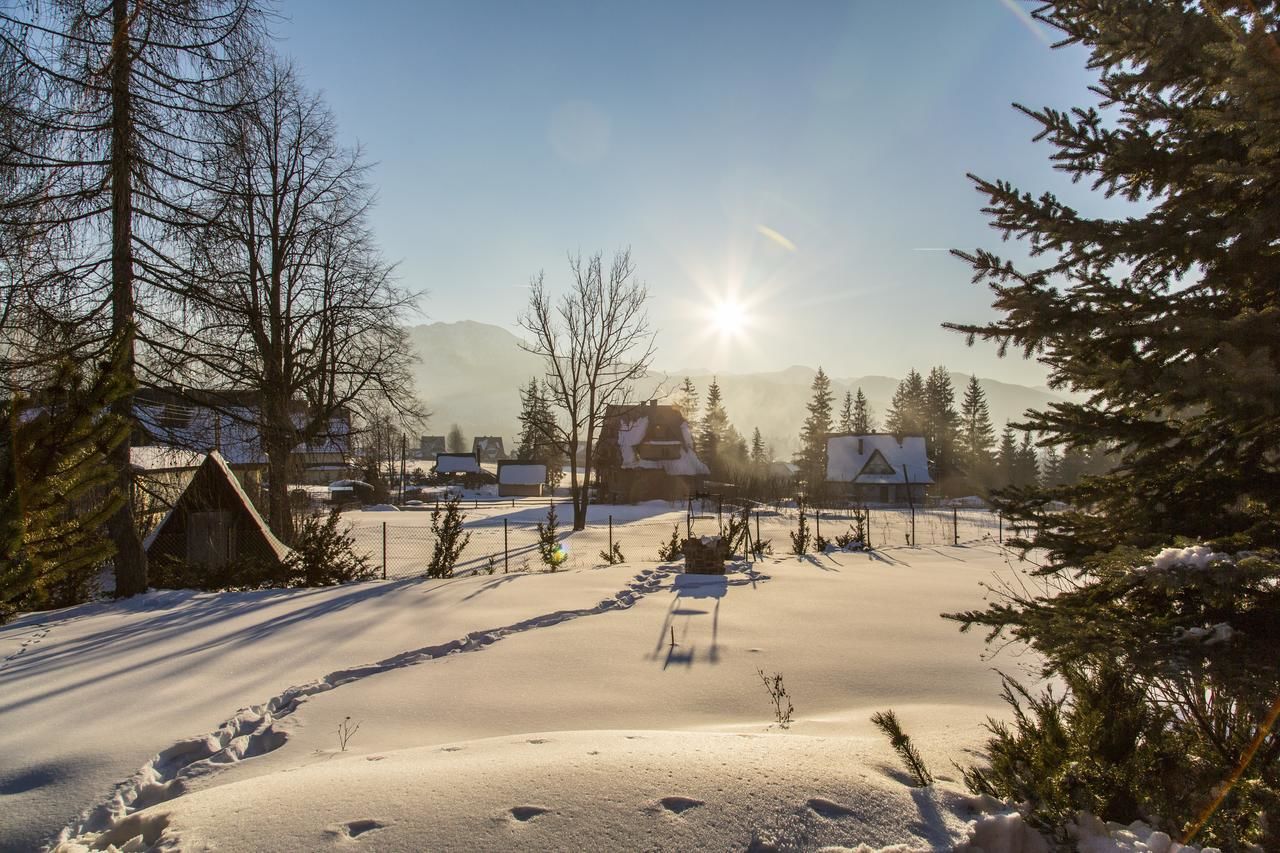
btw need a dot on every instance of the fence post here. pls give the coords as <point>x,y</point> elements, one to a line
<point>757,526</point>
<point>913,526</point>
<point>817,522</point>
<point>866,519</point>
<point>720,511</point>
<point>506,560</point>
<point>384,550</point>
<point>1000,526</point>
<point>611,535</point>
<point>955,527</point>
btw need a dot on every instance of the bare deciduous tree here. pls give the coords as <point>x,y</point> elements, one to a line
<point>294,301</point>
<point>595,341</point>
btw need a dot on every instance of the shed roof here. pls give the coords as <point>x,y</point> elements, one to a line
<point>457,463</point>
<point>511,473</point>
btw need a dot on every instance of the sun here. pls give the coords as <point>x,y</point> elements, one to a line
<point>729,318</point>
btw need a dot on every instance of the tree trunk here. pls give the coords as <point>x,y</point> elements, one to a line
<point>130,558</point>
<point>583,499</point>
<point>279,511</point>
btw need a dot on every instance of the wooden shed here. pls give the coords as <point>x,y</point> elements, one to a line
<point>521,479</point>
<point>214,524</point>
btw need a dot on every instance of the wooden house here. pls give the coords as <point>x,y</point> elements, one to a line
<point>880,467</point>
<point>646,452</point>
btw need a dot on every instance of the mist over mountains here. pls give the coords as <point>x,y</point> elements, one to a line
<point>470,374</point>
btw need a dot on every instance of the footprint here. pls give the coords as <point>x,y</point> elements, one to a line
<point>374,757</point>
<point>450,749</point>
<point>538,740</point>
<point>680,805</point>
<point>527,813</point>
<point>828,809</point>
<point>355,828</point>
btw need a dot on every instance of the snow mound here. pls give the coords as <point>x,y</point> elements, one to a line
<point>589,790</point>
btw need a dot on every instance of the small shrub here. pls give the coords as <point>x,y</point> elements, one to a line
<point>672,549</point>
<point>782,708</point>
<point>446,524</point>
<point>322,554</point>
<point>735,533</point>
<point>346,731</point>
<point>490,566</point>
<point>887,722</point>
<point>820,544</point>
<point>760,547</point>
<point>614,556</point>
<point>800,537</point>
<point>850,540</point>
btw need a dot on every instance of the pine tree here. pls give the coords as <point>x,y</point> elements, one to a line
<point>713,430</point>
<point>941,424</point>
<point>759,453</point>
<point>687,400</point>
<point>537,432</point>
<point>907,411</point>
<point>863,422</point>
<point>1051,467</point>
<point>56,487</point>
<point>1164,319</point>
<point>812,457</point>
<point>977,437</point>
<point>846,413</point>
<point>1026,466</point>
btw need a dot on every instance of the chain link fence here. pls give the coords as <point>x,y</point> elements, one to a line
<point>502,536</point>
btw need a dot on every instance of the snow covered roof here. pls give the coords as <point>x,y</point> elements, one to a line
<point>677,457</point>
<point>879,458</point>
<point>457,463</point>
<point>521,473</point>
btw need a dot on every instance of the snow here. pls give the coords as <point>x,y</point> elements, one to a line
<point>631,433</point>
<point>457,463</point>
<point>219,710</point>
<point>1195,557</point>
<point>513,474</point>
<point>161,458</point>
<point>848,456</point>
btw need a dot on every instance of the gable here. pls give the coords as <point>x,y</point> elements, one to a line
<point>876,464</point>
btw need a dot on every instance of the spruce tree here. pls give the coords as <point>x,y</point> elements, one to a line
<point>907,411</point>
<point>759,453</point>
<point>1026,466</point>
<point>687,400</point>
<point>863,423</point>
<point>941,424</point>
<point>1161,587</point>
<point>812,457</point>
<point>1008,456</point>
<point>57,490</point>
<point>977,437</point>
<point>455,441</point>
<point>713,430</point>
<point>846,413</point>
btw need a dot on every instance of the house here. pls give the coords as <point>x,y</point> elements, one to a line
<point>646,453</point>
<point>880,467</point>
<point>488,448</point>
<point>783,470</point>
<point>521,479</point>
<point>430,445</point>
<point>228,421</point>
<point>213,524</point>
<point>457,463</point>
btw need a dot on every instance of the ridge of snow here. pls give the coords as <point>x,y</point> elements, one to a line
<point>251,731</point>
<point>1194,557</point>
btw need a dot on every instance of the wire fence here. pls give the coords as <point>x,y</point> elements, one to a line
<point>503,537</point>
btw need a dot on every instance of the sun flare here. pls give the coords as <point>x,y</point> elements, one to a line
<point>729,318</point>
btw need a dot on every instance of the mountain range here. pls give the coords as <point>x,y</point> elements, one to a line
<point>470,373</point>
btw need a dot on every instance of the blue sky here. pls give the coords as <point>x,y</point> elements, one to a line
<point>507,134</point>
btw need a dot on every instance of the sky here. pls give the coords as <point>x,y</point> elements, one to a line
<point>786,176</point>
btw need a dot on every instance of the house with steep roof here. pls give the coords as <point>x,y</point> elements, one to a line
<point>646,452</point>
<point>488,448</point>
<point>213,524</point>
<point>879,467</point>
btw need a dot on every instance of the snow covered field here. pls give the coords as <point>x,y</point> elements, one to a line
<point>497,667</point>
